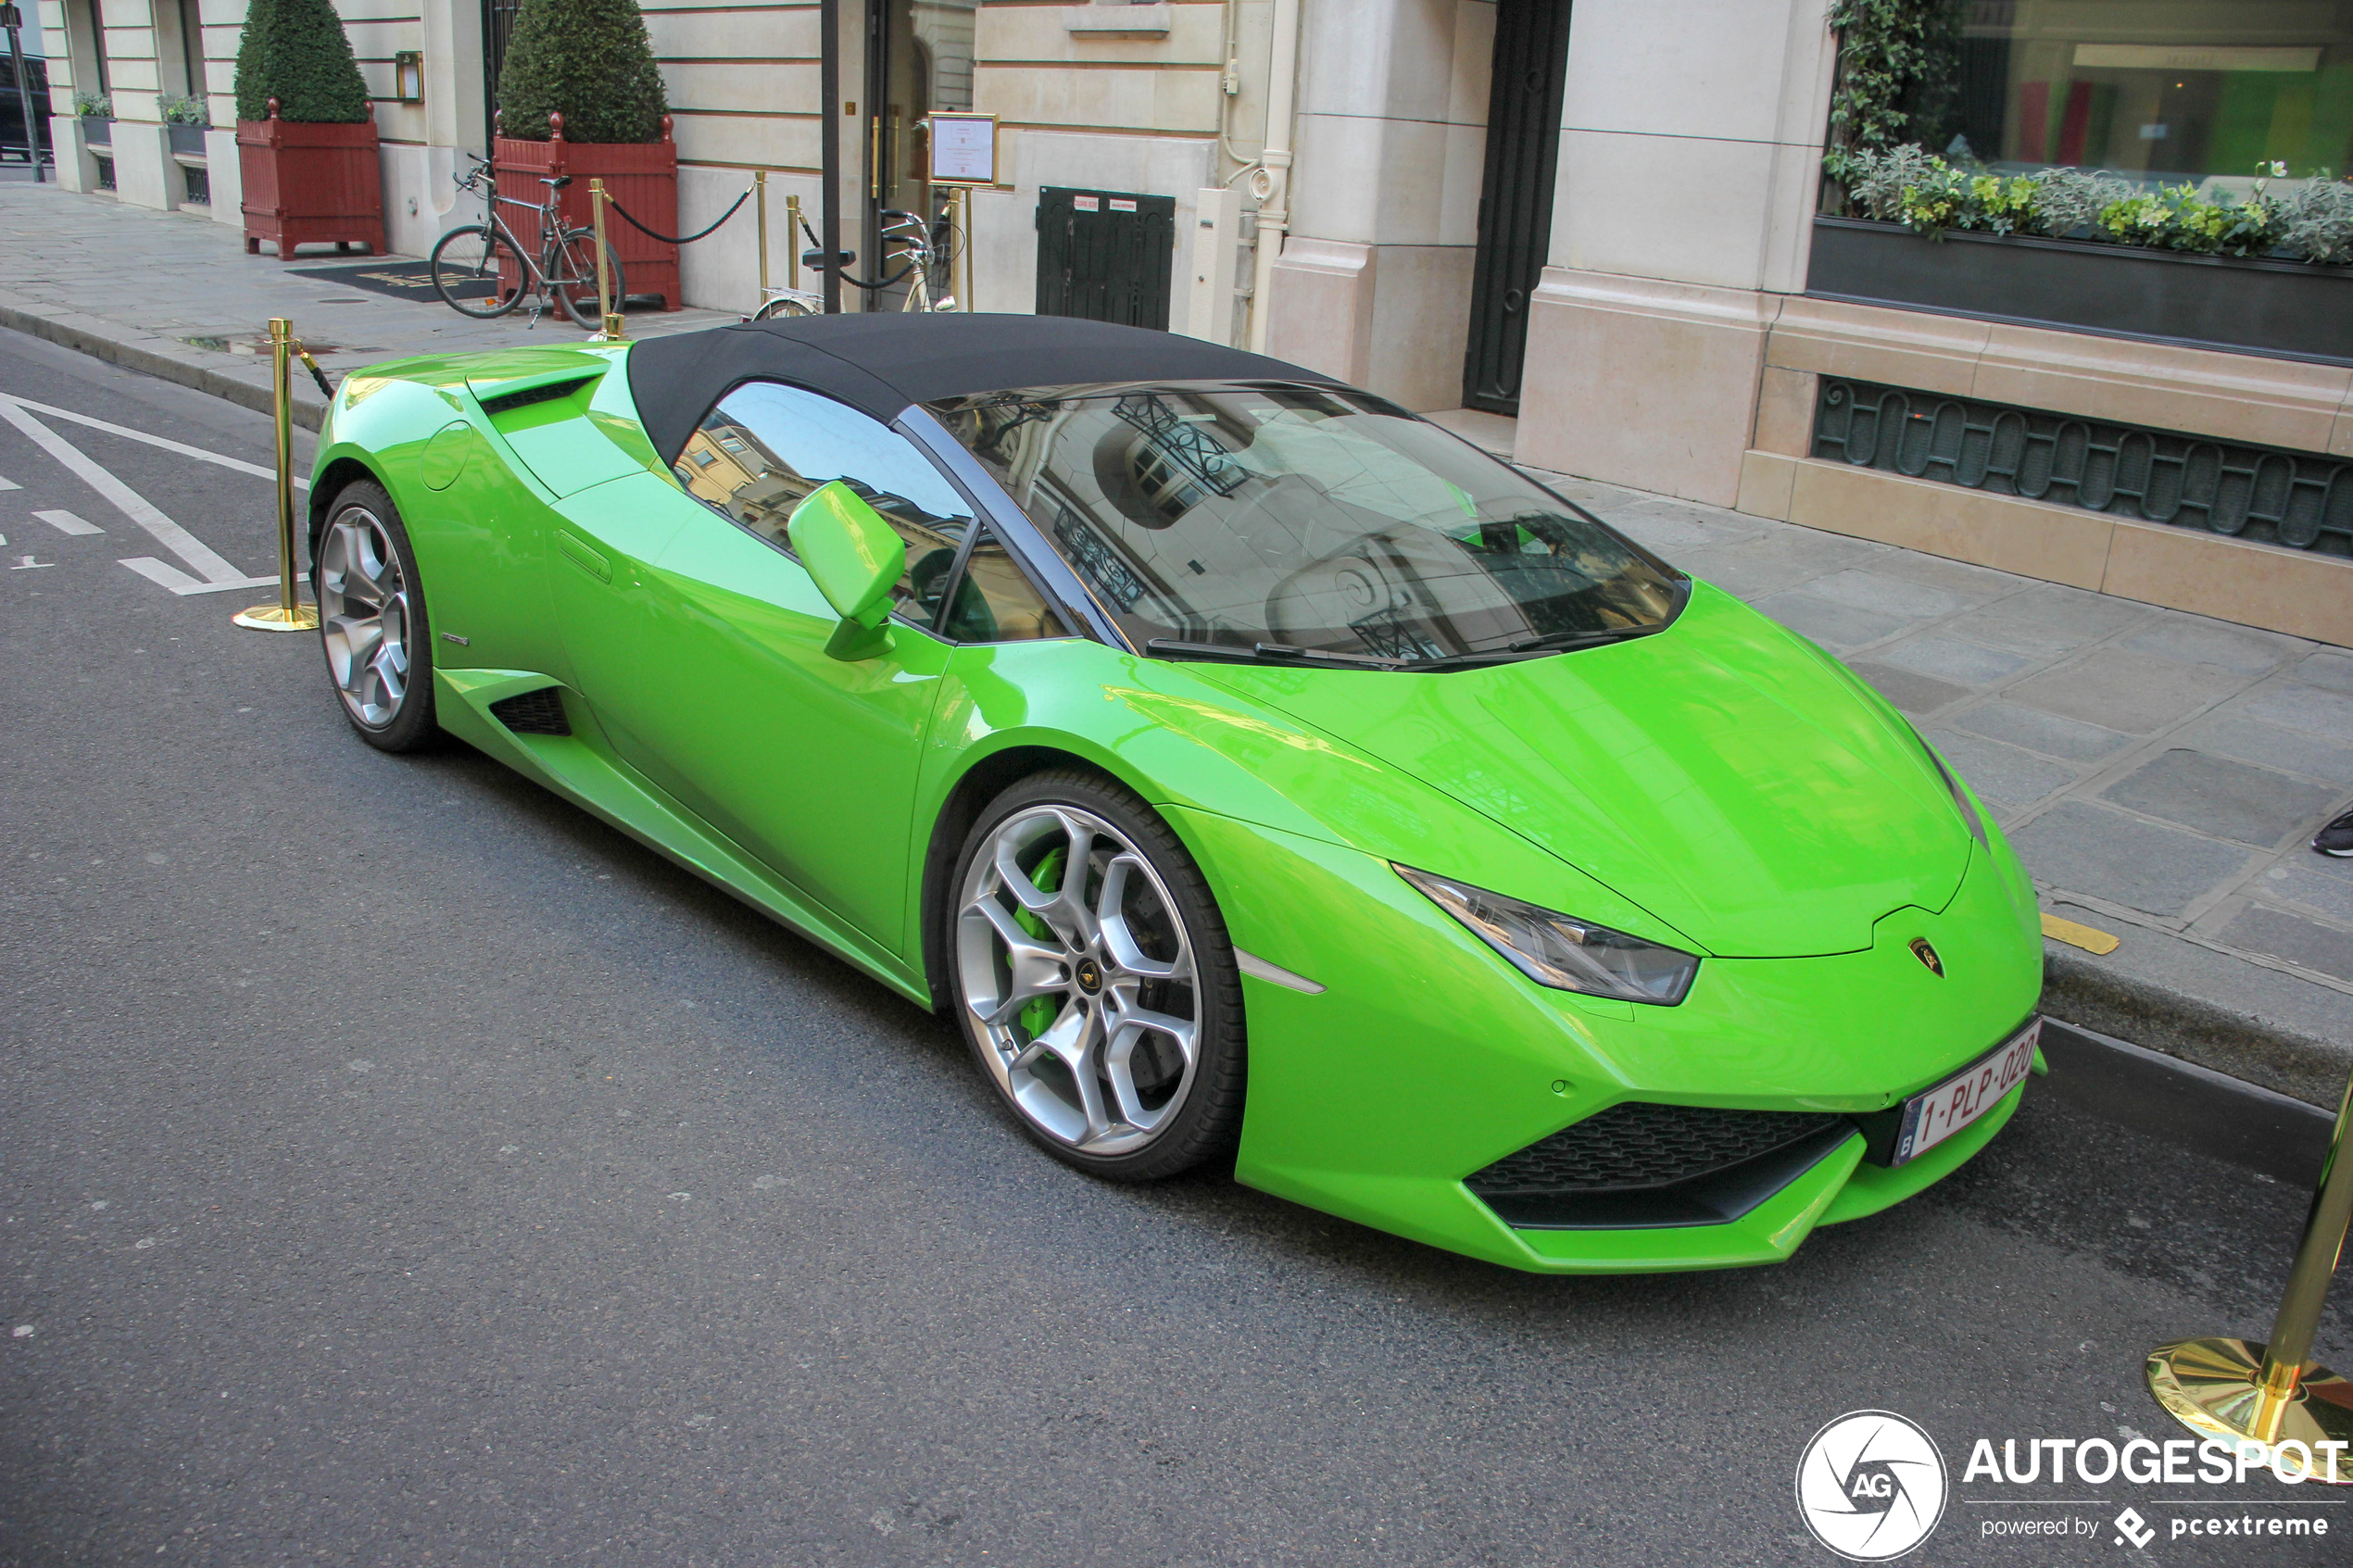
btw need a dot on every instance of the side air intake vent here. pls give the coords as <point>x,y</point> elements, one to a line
<point>1639,1164</point>
<point>507,401</point>
<point>533,713</point>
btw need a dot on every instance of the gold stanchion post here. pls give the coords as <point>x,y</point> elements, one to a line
<point>760,221</point>
<point>614,329</point>
<point>792,243</point>
<point>2271,1395</point>
<point>286,615</point>
<point>964,225</point>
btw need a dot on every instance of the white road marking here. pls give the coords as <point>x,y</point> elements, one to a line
<point>8,483</point>
<point>66,522</point>
<point>129,502</point>
<point>125,431</point>
<point>26,563</point>
<point>180,583</point>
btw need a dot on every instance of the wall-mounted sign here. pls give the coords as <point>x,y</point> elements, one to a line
<point>409,77</point>
<point>963,148</point>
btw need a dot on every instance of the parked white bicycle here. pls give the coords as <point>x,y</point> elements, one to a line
<point>921,246</point>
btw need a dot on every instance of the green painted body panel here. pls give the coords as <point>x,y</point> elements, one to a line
<point>1720,786</point>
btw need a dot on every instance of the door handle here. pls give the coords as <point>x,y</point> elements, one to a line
<point>580,555</point>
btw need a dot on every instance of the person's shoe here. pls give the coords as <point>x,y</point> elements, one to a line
<point>2337,838</point>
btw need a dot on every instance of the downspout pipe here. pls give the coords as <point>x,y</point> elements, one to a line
<point>1274,206</point>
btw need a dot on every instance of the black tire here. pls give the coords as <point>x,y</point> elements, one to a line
<point>1206,1123</point>
<point>463,259</point>
<point>363,534</point>
<point>575,280</point>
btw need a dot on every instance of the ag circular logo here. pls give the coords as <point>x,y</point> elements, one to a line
<point>1870,1486</point>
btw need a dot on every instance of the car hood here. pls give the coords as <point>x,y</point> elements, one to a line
<point>1719,774</point>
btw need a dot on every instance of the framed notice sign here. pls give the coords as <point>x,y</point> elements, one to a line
<point>963,148</point>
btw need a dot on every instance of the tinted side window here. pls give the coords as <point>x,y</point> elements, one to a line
<point>994,602</point>
<point>760,453</point>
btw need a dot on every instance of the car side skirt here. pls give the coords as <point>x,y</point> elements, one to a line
<point>582,768</point>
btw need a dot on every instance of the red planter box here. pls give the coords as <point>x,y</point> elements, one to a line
<point>642,177</point>
<point>308,184</point>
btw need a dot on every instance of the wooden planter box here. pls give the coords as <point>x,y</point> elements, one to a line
<point>310,184</point>
<point>2292,309</point>
<point>642,177</point>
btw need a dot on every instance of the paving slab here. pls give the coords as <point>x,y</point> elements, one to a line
<point>2046,733</point>
<point>2329,668</point>
<point>2122,690</point>
<point>2222,798</point>
<point>1950,658</point>
<point>2196,640</point>
<point>2312,711</point>
<point>1839,627</point>
<point>2159,870</point>
<point>1916,693</point>
<point>2305,943</point>
<point>2322,883</point>
<point>2002,776</point>
<point>1887,593</point>
<point>2229,734</point>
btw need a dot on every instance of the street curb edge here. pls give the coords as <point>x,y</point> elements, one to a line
<point>163,367</point>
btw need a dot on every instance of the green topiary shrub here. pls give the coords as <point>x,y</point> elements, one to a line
<point>294,51</point>
<point>589,60</point>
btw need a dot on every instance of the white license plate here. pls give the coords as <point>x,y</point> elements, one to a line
<point>1933,1115</point>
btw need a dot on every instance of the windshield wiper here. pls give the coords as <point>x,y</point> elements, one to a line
<point>1266,653</point>
<point>1531,647</point>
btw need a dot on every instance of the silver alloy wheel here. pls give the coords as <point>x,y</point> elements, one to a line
<point>363,613</point>
<point>1083,992</point>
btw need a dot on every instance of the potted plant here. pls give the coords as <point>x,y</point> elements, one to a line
<point>95,110</point>
<point>305,135</point>
<point>580,94</point>
<point>186,120</point>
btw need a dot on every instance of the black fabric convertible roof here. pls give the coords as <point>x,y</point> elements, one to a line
<point>880,363</point>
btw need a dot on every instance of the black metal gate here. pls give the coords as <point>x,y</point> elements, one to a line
<point>1515,199</point>
<point>1105,255</point>
<point>498,27</point>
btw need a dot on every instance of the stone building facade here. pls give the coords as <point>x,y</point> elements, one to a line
<point>1600,226</point>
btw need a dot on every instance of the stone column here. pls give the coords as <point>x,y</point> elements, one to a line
<point>1374,285</point>
<point>1690,162</point>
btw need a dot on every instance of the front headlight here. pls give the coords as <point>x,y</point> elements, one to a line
<point>1560,950</point>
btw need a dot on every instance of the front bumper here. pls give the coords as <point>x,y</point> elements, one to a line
<point>1427,1058</point>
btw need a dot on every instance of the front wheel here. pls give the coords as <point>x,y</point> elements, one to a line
<point>784,306</point>
<point>573,278</point>
<point>476,272</point>
<point>1094,980</point>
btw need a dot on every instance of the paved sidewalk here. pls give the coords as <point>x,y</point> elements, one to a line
<point>2160,773</point>
<point>165,292</point>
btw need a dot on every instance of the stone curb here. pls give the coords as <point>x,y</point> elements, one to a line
<point>307,412</point>
<point>2239,1046</point>
<point>2184,1103</point>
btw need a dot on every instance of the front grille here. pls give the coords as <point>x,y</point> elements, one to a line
<point>1642,1164</point>
<point>533,713</point>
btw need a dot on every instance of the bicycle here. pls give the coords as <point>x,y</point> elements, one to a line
<point>464,259</point>
<point>921,243</point>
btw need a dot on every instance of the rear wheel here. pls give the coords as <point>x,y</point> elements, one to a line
<point>472,267</point>
<point>573,281</point>
<point>371,620</point>
<point>1094,980</point>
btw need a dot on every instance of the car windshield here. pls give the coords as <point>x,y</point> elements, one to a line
<point>1289,520</point>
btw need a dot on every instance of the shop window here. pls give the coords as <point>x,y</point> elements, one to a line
<point>2154,90</point>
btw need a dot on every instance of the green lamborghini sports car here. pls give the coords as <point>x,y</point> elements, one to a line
<point>1256,771</point>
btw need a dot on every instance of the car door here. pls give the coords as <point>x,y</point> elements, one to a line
<point>699,642</point>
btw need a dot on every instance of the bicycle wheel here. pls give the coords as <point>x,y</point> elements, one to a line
<point>473,270</point>
<point>571,277</point>
<point>788,305</point>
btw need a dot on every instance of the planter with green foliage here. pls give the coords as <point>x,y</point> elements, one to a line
<point>580,95</point>
<point>305,133</point>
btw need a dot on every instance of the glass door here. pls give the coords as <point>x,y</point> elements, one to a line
<point>919,57</point>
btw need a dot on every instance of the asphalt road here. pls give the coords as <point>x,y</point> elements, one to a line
<point>397,1166</point>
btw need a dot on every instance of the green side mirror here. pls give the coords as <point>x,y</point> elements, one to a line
<point>856,559</point>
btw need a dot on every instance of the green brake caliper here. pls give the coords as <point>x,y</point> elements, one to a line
<point>1047,877</point>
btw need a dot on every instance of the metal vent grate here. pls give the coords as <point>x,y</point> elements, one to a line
<point>533,713</point>
<point>1642,1164</point>
<point>2301,499</point>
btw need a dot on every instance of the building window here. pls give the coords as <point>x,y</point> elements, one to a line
<point>2153,90</point>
